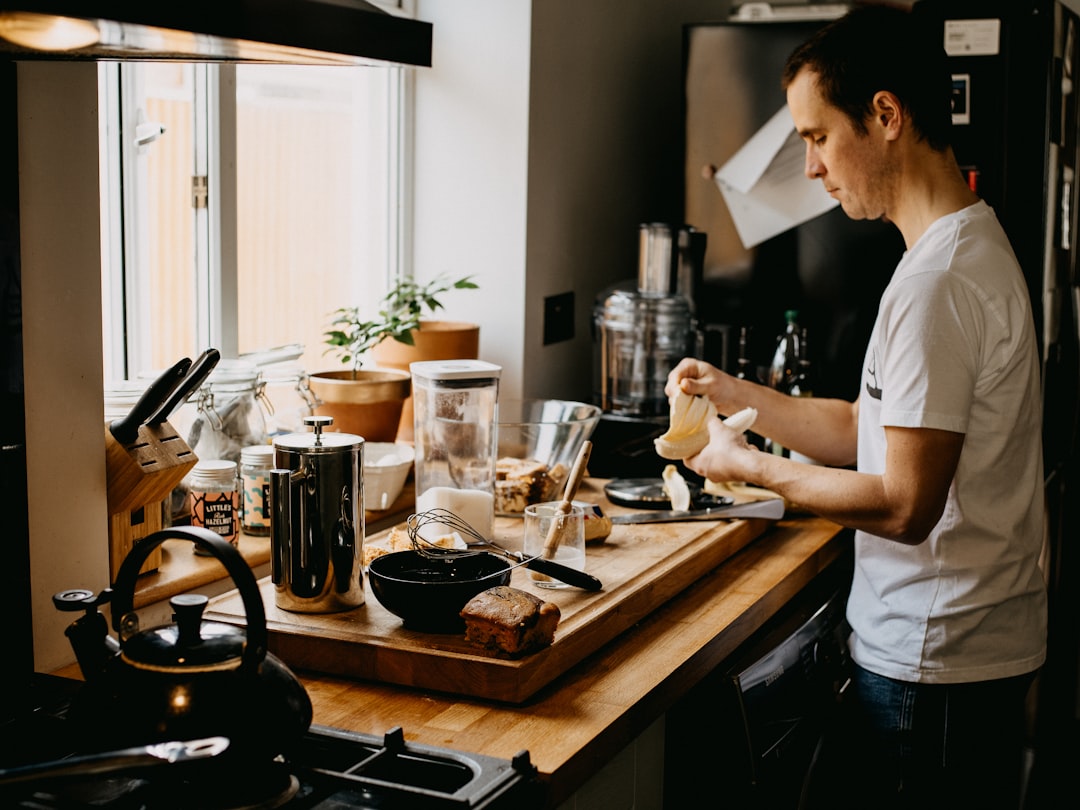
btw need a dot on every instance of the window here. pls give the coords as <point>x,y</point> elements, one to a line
<point>244,203</point>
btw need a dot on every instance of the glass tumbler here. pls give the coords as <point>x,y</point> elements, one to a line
<point>555,536</point>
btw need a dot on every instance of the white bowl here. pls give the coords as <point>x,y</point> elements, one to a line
<point>386,468</point>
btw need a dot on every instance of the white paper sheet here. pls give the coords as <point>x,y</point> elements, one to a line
<point>765,187</point>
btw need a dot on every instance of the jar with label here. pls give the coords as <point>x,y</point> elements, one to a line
<point>255,465</point>
<point>214,499</point>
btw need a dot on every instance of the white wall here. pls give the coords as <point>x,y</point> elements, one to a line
<point>546,133</point>
<point>61,303</point>
<point>471,141</point>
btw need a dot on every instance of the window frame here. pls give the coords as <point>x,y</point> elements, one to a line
<point>216,225</point>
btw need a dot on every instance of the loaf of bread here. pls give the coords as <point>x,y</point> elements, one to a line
<point>509,620</point>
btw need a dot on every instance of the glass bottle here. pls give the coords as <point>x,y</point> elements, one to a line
<point>803,383</point>
<point>803,386</point>
<point>786,357</point>
<point>783,369</point>
<point>746,370</point>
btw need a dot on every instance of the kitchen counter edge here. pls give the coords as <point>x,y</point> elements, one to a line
<point>583,719</point>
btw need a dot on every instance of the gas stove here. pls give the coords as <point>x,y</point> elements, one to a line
<point>330,769</point>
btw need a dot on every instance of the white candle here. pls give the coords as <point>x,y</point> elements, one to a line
<point>475,507</point>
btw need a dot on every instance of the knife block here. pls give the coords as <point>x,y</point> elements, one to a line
<point>140,478</point>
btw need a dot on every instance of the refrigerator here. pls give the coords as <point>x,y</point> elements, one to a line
<point>1015,138</point>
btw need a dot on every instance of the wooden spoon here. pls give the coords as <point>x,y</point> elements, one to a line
<point>555,533</point>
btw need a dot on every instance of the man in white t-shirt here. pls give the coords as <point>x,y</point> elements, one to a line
<point>948,604</point>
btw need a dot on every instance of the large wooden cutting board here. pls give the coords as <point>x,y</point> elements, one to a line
<point>641,566</point>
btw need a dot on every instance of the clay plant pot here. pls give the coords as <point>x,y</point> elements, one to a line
<point>434,340</point>
<point>367,403</point>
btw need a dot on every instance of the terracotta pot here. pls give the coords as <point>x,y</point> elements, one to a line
<point>368,404</point>
<point>434,340</point>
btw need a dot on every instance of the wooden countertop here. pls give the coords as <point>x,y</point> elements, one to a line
<point>585,717</point>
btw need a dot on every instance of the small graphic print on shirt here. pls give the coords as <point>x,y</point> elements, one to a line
<point>872,383</point>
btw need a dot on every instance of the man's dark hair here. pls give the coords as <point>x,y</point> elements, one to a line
<point>878,47</point>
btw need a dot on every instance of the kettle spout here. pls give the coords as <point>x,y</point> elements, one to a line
<point>89,634</point>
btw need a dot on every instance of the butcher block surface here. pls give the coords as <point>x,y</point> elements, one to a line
<point>641,567</point>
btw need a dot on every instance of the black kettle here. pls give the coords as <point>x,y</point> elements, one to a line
<point>184,681</point>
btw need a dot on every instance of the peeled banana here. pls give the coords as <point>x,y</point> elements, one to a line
<point>688,428</point>
<point>676,488</point>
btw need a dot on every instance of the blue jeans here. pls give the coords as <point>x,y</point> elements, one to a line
<point>897,744</point>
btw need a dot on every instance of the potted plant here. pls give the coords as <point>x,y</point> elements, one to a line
<point>399,321</point>
<point>398,335</point>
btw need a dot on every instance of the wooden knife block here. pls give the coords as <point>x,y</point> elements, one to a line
<point>140,478</point>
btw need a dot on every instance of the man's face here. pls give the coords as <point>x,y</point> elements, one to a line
<point>851,164</point>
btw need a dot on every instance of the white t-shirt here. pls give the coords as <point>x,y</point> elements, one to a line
<point>954,348</point>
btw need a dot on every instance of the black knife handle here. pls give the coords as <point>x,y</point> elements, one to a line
<point>195,377</point>
<point>126,429</point>
<point>564,573</point>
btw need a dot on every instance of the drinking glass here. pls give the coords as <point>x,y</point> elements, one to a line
<point>556,536</point>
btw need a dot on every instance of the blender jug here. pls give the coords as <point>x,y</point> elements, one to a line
<point>640,334</point>
<point>317,520</point>
<point>455,406</point>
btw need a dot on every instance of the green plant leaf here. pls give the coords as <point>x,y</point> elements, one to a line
<point>399,314</point>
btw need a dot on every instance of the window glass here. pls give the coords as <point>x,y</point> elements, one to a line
<point>314,206</point>
<point>314,215</point>
<point>170,102</point>
<point>155,269</point>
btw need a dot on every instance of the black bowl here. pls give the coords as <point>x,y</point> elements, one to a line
<point>428,593</point>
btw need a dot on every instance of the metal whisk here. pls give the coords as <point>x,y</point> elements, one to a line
<point>448,522</point>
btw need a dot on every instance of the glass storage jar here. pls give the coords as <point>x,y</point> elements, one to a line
<point>286,387</point>
<point>231,409</point>
<point>455,413</point>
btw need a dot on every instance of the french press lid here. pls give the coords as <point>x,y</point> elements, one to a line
<point>318,441</point>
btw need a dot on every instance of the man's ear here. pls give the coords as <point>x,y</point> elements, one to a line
<point>888,114</point>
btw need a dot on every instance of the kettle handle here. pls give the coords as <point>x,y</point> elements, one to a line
<point>242,576</point>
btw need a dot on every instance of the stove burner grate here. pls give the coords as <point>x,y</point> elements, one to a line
<point>330,769</point>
